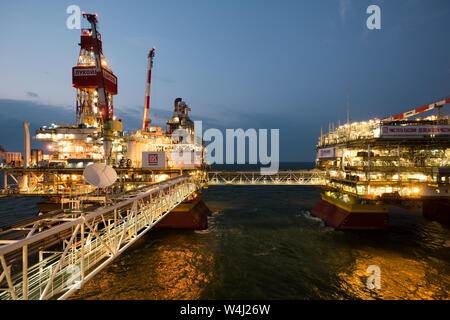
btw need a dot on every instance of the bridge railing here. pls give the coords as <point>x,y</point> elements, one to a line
<point>300,177</point>
<point>87,243</point>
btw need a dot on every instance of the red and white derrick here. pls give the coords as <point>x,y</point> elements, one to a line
<point>146,119</point>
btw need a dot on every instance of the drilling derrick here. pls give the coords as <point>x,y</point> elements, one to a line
<point>93,78</point>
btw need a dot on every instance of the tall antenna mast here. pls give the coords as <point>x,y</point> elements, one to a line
<point>146,119</point>
<point>348,106</point>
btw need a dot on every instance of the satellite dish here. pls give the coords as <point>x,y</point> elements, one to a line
<point>100,175</point>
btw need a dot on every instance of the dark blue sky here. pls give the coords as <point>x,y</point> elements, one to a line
<point>237,63</point>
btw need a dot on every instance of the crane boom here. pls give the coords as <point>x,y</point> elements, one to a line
<point>103,106</point>
<point>414,112</point>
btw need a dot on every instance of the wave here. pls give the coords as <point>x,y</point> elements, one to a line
<point>264,253</point>
<point>211,228</point>
<point>307,214</point>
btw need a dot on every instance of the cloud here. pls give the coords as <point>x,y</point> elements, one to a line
<point>14,112</point>
<point>32,94</point>
<point>344,6</point>
<point>164,79</point>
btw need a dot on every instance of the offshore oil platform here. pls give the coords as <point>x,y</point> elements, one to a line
<point>362,168</point>
<point>144,156</point>
<point>399,160</point>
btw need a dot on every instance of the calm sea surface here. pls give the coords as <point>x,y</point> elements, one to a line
<point>262,243</point>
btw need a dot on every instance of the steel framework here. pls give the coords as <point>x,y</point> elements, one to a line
<point>302,177</point>
<point>55,261</point>
<point>69,181</point>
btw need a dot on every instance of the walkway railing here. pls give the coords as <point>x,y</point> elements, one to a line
<point>301,177</point>
<point>87,243</point>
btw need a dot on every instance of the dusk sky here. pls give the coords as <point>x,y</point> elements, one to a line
<point>237,63</point>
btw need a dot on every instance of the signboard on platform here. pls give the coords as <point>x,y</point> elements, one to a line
<point>88,77</point>
<point>415,130</point>
<point>154,160</point>
<point>326,153</point>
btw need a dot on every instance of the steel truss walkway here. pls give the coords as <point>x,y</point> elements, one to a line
<point>302,177</point>
<point>59,253</point>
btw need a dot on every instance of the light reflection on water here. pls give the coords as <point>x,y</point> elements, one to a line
<point>401,278</point>
<point>163,265</point>
<point>262,243</point>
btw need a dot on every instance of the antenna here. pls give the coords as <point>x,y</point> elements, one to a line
<point>348,106</point>
<point>321,135</point>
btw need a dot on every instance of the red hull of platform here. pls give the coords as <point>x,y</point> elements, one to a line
<point>341,219</point>
<point>187,216</point>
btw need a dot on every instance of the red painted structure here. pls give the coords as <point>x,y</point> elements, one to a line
<point>191,215</point>
<point>94,80</point>
<point>146,119</point>
<point>414,112</point>
<point>341,219</point>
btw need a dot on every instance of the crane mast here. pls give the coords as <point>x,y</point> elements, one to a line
<point>93,78</point>
<point>92,18</point>
<point>97,75</point>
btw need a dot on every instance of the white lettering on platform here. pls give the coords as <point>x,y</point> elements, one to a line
<point>326,153</point>
<point>84,72</point>
<point>415,130</point>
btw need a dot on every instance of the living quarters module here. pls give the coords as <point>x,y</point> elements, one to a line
<point>397,160</point>
<point>384,158</point>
